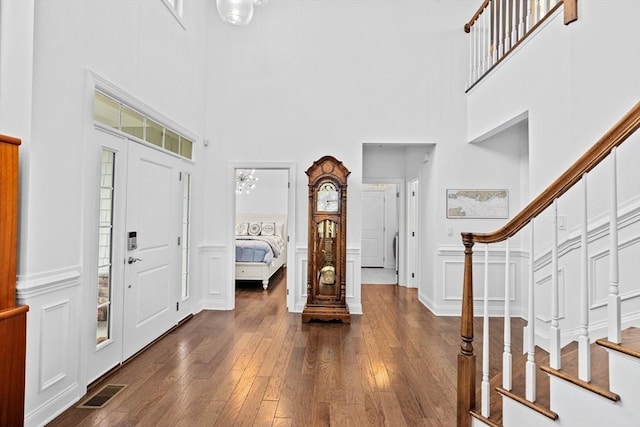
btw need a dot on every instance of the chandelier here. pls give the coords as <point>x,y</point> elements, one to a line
<point>245,180</point>
<point>237,12</point>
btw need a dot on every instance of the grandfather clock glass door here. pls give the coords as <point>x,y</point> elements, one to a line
<point>328,289</point>
<point>326,267</point>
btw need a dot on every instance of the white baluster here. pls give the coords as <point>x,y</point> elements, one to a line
<point>471,55</point>
<point>496,32</point>
<point>506,354</point>
<point>614,334</point>
<point>499,32</point>
<point>486,387</point>
<point>584,350</point>
<point>530,367</point>
<point>525,17</point>
<point>486,25</point>
<point>554,331</point>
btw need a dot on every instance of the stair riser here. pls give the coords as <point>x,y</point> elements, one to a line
<point>577,406</point>
<point>515,414</point>
<point>624,376</point>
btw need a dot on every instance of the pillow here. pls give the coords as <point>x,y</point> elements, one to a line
<point>268,228</point>
<point>242,229</point>
<point>254,229</point>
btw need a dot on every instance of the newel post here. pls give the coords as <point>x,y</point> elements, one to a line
<point>466,358</point>
<point>570,11</point>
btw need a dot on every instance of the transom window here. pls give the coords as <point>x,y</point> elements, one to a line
<point>117,115</point>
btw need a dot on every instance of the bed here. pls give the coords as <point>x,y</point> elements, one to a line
<point>260,247</point>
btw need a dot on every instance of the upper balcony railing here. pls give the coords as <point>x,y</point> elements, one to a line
<point>498,26</point>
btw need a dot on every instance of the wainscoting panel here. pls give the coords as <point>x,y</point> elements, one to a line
<point>54,332</point>
<point>454,272</point>
<point>216,277</point>
<point>54,337</point>
<point>543,296</point>
<point>629,286</point>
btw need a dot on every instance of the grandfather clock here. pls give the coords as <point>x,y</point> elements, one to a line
<point>327,233</point>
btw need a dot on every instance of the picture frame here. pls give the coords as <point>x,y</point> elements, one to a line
<point>477,204</point>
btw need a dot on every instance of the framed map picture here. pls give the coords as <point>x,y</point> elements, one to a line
<point>478,204</point>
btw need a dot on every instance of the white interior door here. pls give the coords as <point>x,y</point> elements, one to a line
<point>373,228</point>
<point>152,269</point>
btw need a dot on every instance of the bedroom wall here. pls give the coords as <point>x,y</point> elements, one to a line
<point>269,196</point>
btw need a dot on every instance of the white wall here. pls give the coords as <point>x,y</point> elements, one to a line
<point>291,90</point>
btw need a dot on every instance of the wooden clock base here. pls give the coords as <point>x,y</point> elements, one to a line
<point>326,313</point>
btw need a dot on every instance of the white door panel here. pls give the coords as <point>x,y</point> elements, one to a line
<point>372,228</point>
<point>152,280</point>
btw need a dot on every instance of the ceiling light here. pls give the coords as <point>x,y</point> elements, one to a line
<point>237,12</point>
<point>245,180</point>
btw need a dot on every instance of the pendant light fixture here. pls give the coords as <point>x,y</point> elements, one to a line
<point>237,12</point>
<point>245,180</point>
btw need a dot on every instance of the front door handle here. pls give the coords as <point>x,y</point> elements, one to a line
<point>131,260</point>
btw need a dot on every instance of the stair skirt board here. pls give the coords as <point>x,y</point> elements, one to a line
<point>103,396</point>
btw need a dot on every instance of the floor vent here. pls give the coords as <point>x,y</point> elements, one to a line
<point>102,396</point>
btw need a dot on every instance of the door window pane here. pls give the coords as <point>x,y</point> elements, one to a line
<point>171,141</point>
<point>105,237</point>
<point>119,116</point>
<point>186,238</point>
<point>106,110</point>
<point>154,133</point>
<point>186,147</point>
<point>132,122</point>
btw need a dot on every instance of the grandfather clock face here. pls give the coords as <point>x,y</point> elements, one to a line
<point>328,198</point>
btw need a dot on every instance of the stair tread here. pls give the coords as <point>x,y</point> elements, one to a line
<point>629,344</point>
<point>599,358</point>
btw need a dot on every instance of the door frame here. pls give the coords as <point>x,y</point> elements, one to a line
<point>90,260</point>
<point>90,208</point>
<point>402,222</point>
<point>291,224</point>
<point>413,242</point>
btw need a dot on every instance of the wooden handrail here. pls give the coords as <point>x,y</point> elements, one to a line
<point>474,18</point>
<point>601,149</point>
<point>620,132</point>
<point>9,139</point>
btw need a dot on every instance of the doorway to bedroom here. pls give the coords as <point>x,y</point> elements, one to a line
<point>262,224</point>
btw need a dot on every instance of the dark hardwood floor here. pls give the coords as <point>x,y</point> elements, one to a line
<point>261,366</point>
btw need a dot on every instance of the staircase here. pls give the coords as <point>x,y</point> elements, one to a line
<point>580,366</point>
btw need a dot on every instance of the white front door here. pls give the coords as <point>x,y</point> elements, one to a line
<point>373,228</point>
<point>152,277</point>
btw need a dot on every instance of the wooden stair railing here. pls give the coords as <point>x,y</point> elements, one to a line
<point>466,382</point>
<point>13,319</point>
